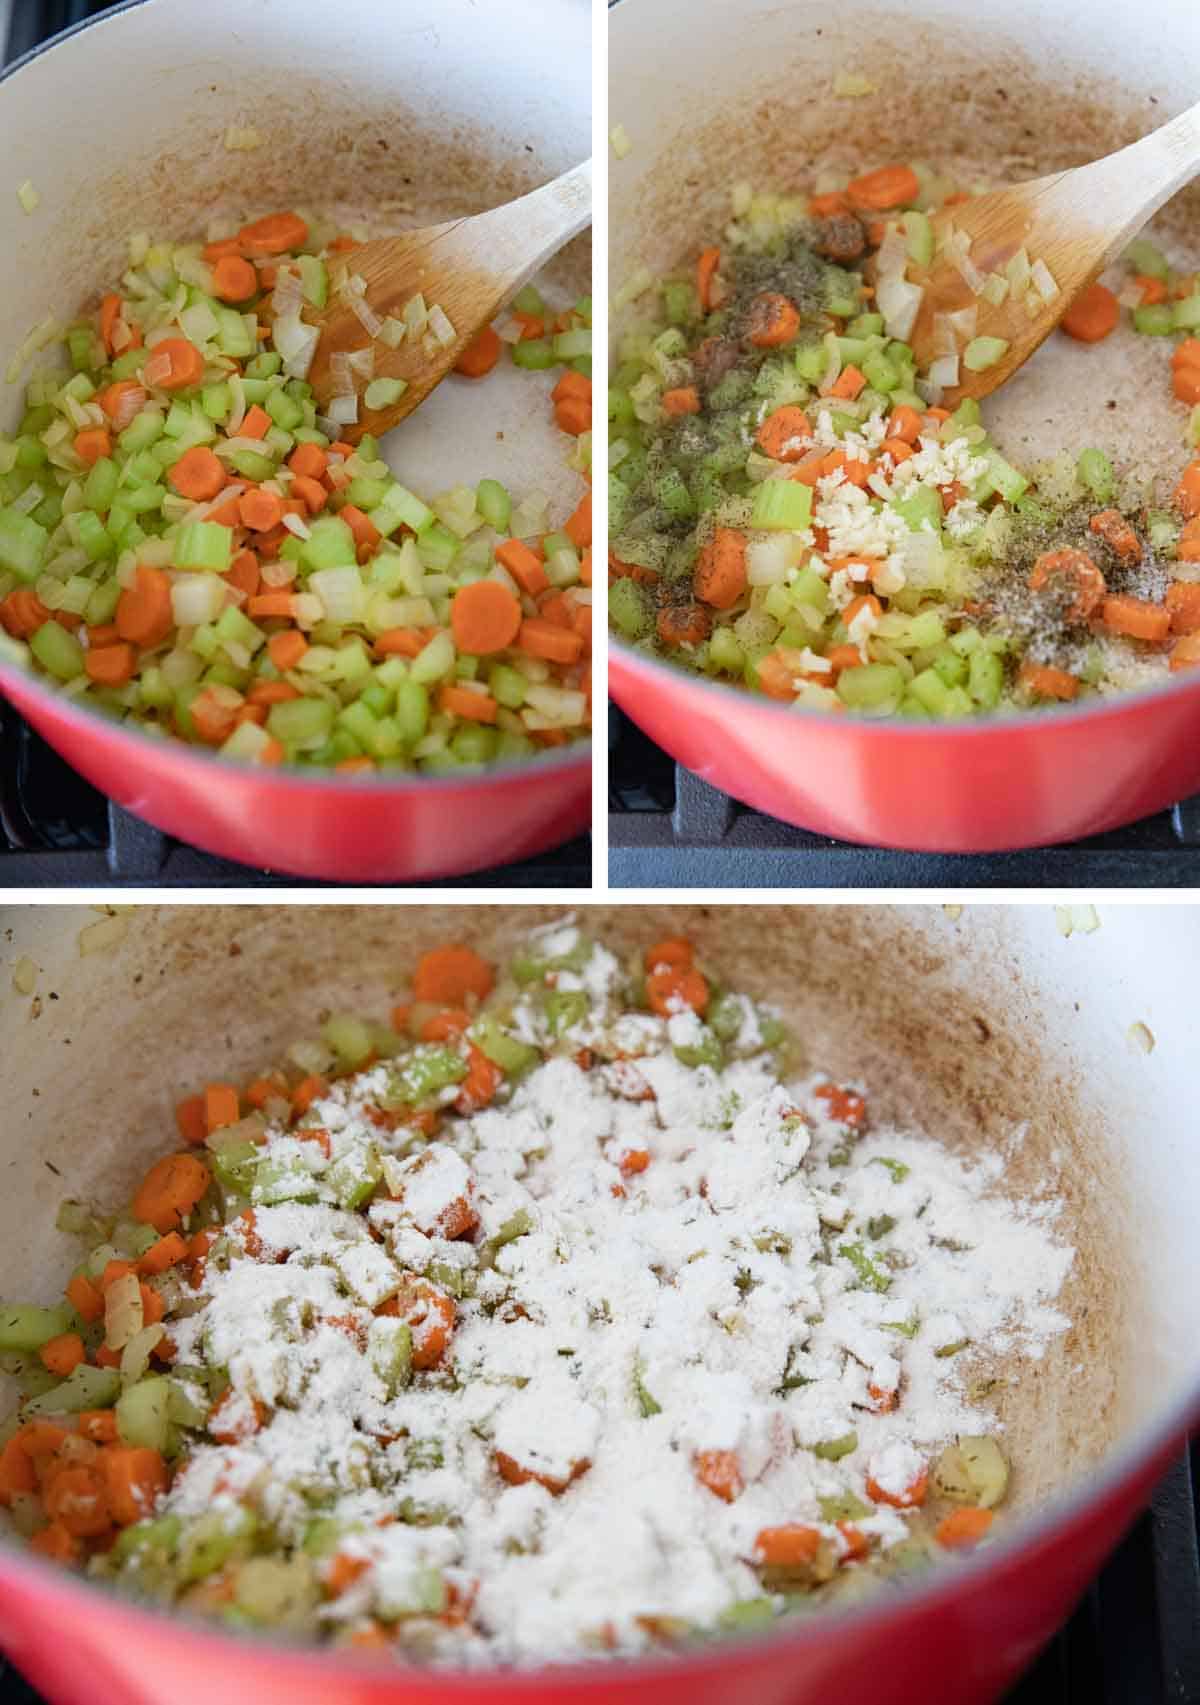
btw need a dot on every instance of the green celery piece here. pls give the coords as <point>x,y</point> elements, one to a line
<point>143,1417</point>
<point>100,487</point>
<point>565,1008</point>
<point>400,507</point>
<point>428,1068</point>
<point>832,1450</point>
<point>203,544</point>
<point>353,1178</point>
<point>389,1351</point>
<point>513,1057</point>
<point>208,1542</point>
<point>783,505</point>
<point>58,652</point>
<point>898,1168</point>
<point>297,721</point>
<point>494,504</point>
<point>648,1404</point>
<point>923,507</point>
<point>234,1166</point>
<point>871,686</point>
<point>747,1616</point>
<point>533,353</point>
<point>706,1052</point>
<point>314,280</point>
<point>25,1327</point>
<point>157,1539</point>
<point>843,1506</point>
<point>515,1226</point>
<point>870,1276</point>
<point>22,545</point>
<point>629,608</point>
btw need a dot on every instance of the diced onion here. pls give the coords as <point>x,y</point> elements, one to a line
<point>343,410</point>
<point>340,375</point>
<point>944,340</point>
<point>964,322</point>
<point>618,136</point>
<point>362,362</point>
<point>366,315</point>
<point>197,599</point>
<point>295,525</point>
<point>893,253</point>
<point>944,371</point>
<point>1043,281</point>
<point>899,301</point>
<point>296,342</point>
<point>392,332</point>
<point>123,1316</point>
<point>440,327</point>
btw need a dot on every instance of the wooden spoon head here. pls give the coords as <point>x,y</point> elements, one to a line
<point>1037,217</point>
<point>441,263</point>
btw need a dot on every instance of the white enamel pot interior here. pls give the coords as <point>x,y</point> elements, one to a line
<point>398,114</point>
<point>971,1028</point>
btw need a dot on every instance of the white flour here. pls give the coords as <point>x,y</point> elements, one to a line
<point>703,1303</point>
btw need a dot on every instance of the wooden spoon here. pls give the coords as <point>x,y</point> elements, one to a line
<point>1077,222</point>
<point>469,268</point>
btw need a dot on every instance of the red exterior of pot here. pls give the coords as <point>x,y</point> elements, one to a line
<point>989,786</point>
<point>961,1641</point>
<point>327,826</point>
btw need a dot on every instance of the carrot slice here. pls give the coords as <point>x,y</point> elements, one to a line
<point>480,355</point>
<point>706,271</point>
<point>1046,682</point>
<point>310,461</point>
<point>1136,617</point>
<point>720,1472</point>
<point>446,975</point>
<point>786,434</point>
<point>469,706</point>
<point>1092,315</point>
<point>484,617</point>
<point>1076,570</point>
<point>540,638</point>
<point>772,320</point>
<point>683,624</point>
<point>966,1527</point>
<point>234,279</point>
<point>887,186</point>
<point>92,444</point>
<point>274,235</point>
<point>197,474</point>
<point>185,364</point>
<point>170,1190</point>
<point>110,665</point>
<point>524,565</point>
<point>144,609</point>
<point>719,578</point>
<point>684,399</point>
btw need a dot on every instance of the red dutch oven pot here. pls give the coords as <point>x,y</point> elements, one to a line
<point>972,1026</point>
<point>120,126</point>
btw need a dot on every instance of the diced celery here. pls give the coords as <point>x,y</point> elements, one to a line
<point>59,653</point>
<point>785,505</point>
<point>872,686</point>
<point>353,1178</point>
<point>984,352</point>
<point>1185,315</point>
<point>504,1050</point>
<point>92,535</point>
<point>922,508</point>
<point>330,544</point>
<point>142,1413</point>
<point>400,507</point>
<point>233,627</point>
<point>919,231</point>
<point>1145,257</point>
<point>156,1539</point>
<point>832,1450</point>
<point>24,1327</point>
<point>100,487</point>
<point>284,410</point>
<point>1157,319</point>
<point>252,465</point>
<point>412,710</point>
<point>203,544</point>
<point>234,336</point>
<point>314,280</point>
<point>349,1038</point>
<point>494,504</point>
<point>533,353</point>
<point>301,722</point>
<point>985,680</point>
<point>629,607</point>
<point>389,1351</point>
<point>209,1541</point>
<point>382,393</point>
<point>435,661</point>
<point>22,545</point>
<point>1096,473</point>
<point>1003,477</point>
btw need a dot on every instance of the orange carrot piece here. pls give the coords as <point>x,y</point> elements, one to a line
<point>578,526</point>
<point>113,398</point>
<point>219,247</point>
<point>256,424</point>
<point>308,460</point>
<point>670,988</point>
<point>786,1547</point>
<point>1078,572</point>
<point>197,474</point>
<point>221,1106</point>
<point>849,382</point>
<point>269,604</point>
<point>274,235</point>
<point>110,665</point>
<point>310,492</point>
<point>684,399</point>
<point>170,1190</point>
<point>468,706</point>
<point>706,271</point>
<point>886,187</point>
<point>720,1472</point>
<point>476,1091</point>
<point>136,1479</point>
<point>1046,682</point>
<point>905,424</point>
<point>445,976</point>
<point>785,434</point>
<point>62,1355</point>
<point>484,617</point>
<point>286,649</point>
<point>234,279</point>
<point>911,1497</point>
<point>92,444</point>
<point>480,355</point>
<point>22,613</point>
<point>524,565</point>
<point>98,1425</point>
<point>540,638</point>
<point>366,534</point>
<point>573,415</point>
<point>1152,289</point>
<point>85,1298</point>
<point>719,577</point>
<point>110,313</point>
<point>189,1116</point>
<point>1185,382</point>
<point>1136,617</point>
<point>1183,602</point>
<point>77,1500</point>
<point>966,1527</point>
<point>1185,653</point>
<point>144,614</point>
<point>1111,526</point>
<point>772,320</point>
<point>168,1252</point>
<point>682,624</point>
<point>243,572</point>
<point>572,385</point>
<point>825,206</point>
<point>1092,315</point>
<point>1187,492</point>
<point>307,1091</point>
<point>186,363</point>
<point>400,642</point>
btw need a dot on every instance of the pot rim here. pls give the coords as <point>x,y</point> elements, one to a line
<point>1093,711</point>
<point>85,721</point>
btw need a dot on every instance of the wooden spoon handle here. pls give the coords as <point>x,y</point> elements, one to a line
<point>520,237</point>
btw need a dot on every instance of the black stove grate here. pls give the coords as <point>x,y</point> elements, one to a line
<point>1133,1640</point>
<point>669,829</point>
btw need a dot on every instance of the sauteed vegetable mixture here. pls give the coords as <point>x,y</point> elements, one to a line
<point>547,1318</point>
<point>184,543</point>
<point>791,509</point>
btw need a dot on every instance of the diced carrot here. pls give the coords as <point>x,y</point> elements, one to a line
<point>366,534</point>
<point>168,1252</point>
<point>189,1116</point>
<point>476,1091</point>
<point>787,1547</point>
<point>234,279</point>
<point>1152,289</point>
<point>114,1270</point>
<point>110,313</point>
<point>144,614</point>
<point>573,415</point>
<point>272,692</point>
<point>1187,492</point>
<point>772,320</point>
<point>1185,383</point>
<point>480,355</point>
<point>720,1472</point>
<point>1185,653</point>
<point>578,526</point>
<point>243,572</point>
<point>849,382</point>
<point>897,449</point>
<point>846,1106</point>
<point>1092,315</point>
<point>214,712</point>
<point>430,1312</point>
<point>220,246</point>
<point>886,187</point>
<point>1111,526</point>
<point>856,1541</point>
<point>286,649</point>
<point>785,434</point>
<point>905,424</point>
<point>1046,682</point>
<point>197,474</point>
<point>136,1479</point>
<point>446,975</point>
<point>719,577</point>
<point>683,624</point>
<point>256,424</point>
<point>1075,570</point>
<point>42,1438</point>
<point>1183,602</point>
<point>170,1190</point>
<point>22,612</point>
<point>825,206</point>
<point>78,1500</point>
<point>92,443</point>
<point>260,510</point>
<point>671,989</point>
<point>85,1298</point>
<point>706,270</point>
<point>110,665</point>
<point>400,642</point>
<point>484,617</point>
<point>227,513</point>
<point>1136,617</point>
<point>538,638</point>
<point>908,1499</point>
<point>275,235</point>
<point>524,564</point>
<point>221,1106</point>
<point>966,1527</point>
<point>98,1425</point>
<point>117,398</point>
<point>56,1543</point>
<point>185,364</point>
<point>684,399</point>
<point>62,1355</point>
<point>460,701</point>
<point>269,604</point>
<point>865,601</point>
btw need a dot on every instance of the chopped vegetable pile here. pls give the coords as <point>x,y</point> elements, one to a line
<point>543,1320</point>
<point>186,544</point>
<point>791,509</point>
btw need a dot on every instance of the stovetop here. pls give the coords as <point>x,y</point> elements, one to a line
<point>55,830</point>
<point>669,829</point>
<point>1133,1640</point>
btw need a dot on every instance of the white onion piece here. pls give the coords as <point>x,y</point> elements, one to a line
<point>944,371</point>
<point>964,322</point>
<point>893,253</point>
<point>296,342</point>
<point>366,315</point>
<point>362,361</point>
<point>898,301</point>
<point>196,599</point>
<point>340,376</point>
<point>944,340</point>
<point>343,411</point>
<point>1043,281</point>
<point>970,274</point>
